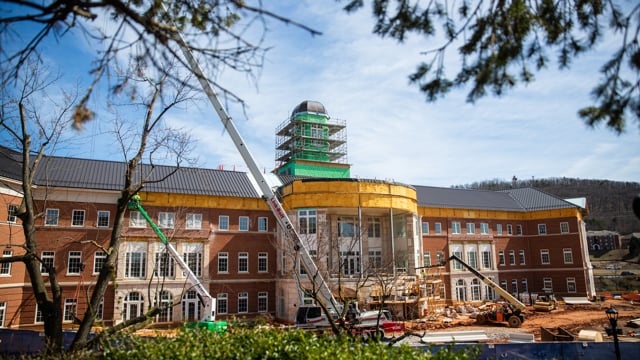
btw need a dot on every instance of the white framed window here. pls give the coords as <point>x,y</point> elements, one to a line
<point>514,287</point>
<point>223,262</point>
<point>132,306</point>
<point>11,213</point>
<point>51,217</point>
<point>519,230</point>
<point>486,259</point>
<point>525,286</point>
<point>5,268</point>
<point>191,309</point>
<point>439,258</point>
<point>425,228</point>
<point>194,222</point>
<point>192,256</point>
<point>427,258</point>
<point>375,257</point>
<point>547,284</point>
<point>3,312</point>
<point>484,228</point>
<point>103,218</point>
<point>567,254</point>
<point>77,218</point>
<point>243,223</point>
<point>522,257</point>
<point>263,224</point>
<point>307,221</point>
<point>263,262</point>
<point>243,262</point>
<point>47,258</point>
<point>243,302</point>
<point>70,306</point>
<point>99,258</point>
<point>164,266</point>
<point>564,227</point>
<point>100,311</point>
<point>499,229</point>
<point>571,285</point>
<point>223,222</point>
<point>437,228</point>
<point>136,220</point>
<point>373,227</point>
<point>455,227</point>
<point>545,258</point>
<point>542,229</point>
<point>501,258</point>
<point>475,290</point>
<point>456,264</point>
<point>74,264</point>
<point>166,220</point>
<point>263,301</point>
<point>503,285</point>
<point>222,301</point>
<point>472,257</point>
<point>164,301</point>
<point>509,229</point>
<point>471,228</point>
<point>512,257</point>
<point>39,317</point>
<point>347,227</point>
<point>135,260</point>
<point>461,290</point>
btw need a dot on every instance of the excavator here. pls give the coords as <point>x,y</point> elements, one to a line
<point>510,312</point>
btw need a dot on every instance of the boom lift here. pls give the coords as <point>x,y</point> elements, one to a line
<point>510,312</point>
<point>267,193</point>
<point>208,320</point>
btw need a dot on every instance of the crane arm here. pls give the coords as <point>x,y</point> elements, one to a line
<point>497,288</point>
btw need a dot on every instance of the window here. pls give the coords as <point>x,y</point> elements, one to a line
<point>499,229</point>
<point>440,257</point>
<point>263,224</point>
<point>3,312</point>
<point>77,218</point>
<point>307,221</point>
<point>132,306</point>
<point>438,228</point>
<point>223,222</point>
<point>375,258</point>
<point>346,227</point>
<point>75,265</point>
<point>351,262</point>
<point>51,217</point>
<point>509,229</point>
<point>47,262</point>
<point>564,227</point>
<point>11,213</point>
<point>514,287</point>
<point>166,220</point>
<point>39,317</point>
<point>455,227</point>
<point>164,302</point>
<point>373,227</point>
<point>542,229</point>
<point>568,255</point>
<point>135,265</point>
<point>194,222</point>
<point>473,259</point>
<point>222,300</point>
<point>243,302</point>
<point>99,258</point>
<point>461,290</point>
<point>486,259</point>
<point>501,258</point>
<point>223,262</point>
<point>544,256</point>
<point>164,265</point>
<point>103,218</point>
<point>100,311</point>
<point>547,284</point>
<point>456,264</point>
<point>5,268</point>
<point>471,228</point>
<point>503,285</point>
<point>525,286</point>
<point>512,257</point>
<point>69,309</point>
<point>192,256</point>
<point>243,262</point>
<point>519,230</point>
<point>521,256</point>
<point>425,228</point>
<point>484,228</point>
<point>427,259</point>
<point>263,262</point>
<point>191,310</point>
<point>571,285</point>
<point>243,223</point>
<point>136,220</point>
<point>475,290</point>
<point>263,301</point>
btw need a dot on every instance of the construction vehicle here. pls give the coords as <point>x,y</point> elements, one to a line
<point>322,289</point>
<point>208,319</point>
<point>545,302</point>
<point>511,312</point>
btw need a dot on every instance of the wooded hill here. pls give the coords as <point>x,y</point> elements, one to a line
<point>609,202</point>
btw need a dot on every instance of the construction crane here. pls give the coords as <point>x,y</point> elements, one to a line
<point>320,286</point>
<point>511,312</point>
<point>208,319</point>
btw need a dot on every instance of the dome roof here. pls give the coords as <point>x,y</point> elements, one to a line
<point>309,106</point>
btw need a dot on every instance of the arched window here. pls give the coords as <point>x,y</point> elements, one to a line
<point>190,306</point>
<point>475,290</point>
<point>164,300</point>
<point>461,290</point>
<point>133,306</point>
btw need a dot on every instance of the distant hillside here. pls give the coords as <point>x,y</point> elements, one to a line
<point>609,201</point>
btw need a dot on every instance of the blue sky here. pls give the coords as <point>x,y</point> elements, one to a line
<point>393,133</point>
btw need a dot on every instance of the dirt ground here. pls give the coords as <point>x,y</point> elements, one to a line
<point>571,318</point>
